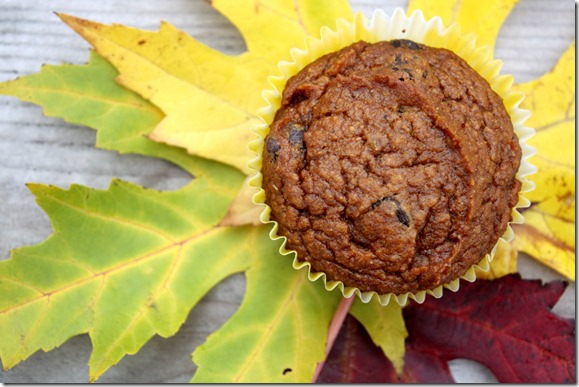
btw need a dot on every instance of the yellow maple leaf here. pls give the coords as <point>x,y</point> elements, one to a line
<point>548,233</point>
<point>200,114</point>
<point>483,18</point>
<point>209,98</point>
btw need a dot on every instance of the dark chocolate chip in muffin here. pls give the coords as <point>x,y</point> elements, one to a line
<point>296,135</point>
<point>391,166</point>
<point>272,147</point>
<point>406,42</point>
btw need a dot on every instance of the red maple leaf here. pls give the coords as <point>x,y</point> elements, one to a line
<point>506,324</point>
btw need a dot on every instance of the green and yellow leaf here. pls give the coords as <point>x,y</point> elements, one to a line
<point>88,95</point>
<point>278,334</point>
<point>186,80</point>
<point>122,265</point>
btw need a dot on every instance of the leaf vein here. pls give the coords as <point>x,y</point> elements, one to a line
<point>269,330</point>
<point>32,330</point>
<point>488,328</point>
<point>104,273</point>
<point>284,16</point>
<point>554,162</point>
<point>95,98</point>
<point>114,219</point>
<point>24,284</point>
<point>145,307</point>
<point>71,261</point>
<point>553,124</point>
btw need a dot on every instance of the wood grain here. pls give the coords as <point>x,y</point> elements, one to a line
<point>34,148</point>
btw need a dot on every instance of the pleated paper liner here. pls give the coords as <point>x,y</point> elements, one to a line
<point>383,27</point>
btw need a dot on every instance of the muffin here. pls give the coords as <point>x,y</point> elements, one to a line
<point>390,166</point>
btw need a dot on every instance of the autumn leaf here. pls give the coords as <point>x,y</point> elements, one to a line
<point>272,28</point>
<point>355,358</point>
<point>505,324</point>
<point>277,335</point>
<point>483,18</point>
<point>385,326</point>
<point>210,99</point>
<point>88,95</point>
<point>120,266</point>
<point>156,71</point>
<point>112,114</point>
<point>548,233</point>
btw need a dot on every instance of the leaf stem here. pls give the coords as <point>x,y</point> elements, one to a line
<point>335,326</point>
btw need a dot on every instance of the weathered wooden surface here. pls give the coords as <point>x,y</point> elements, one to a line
<point>34,148</point>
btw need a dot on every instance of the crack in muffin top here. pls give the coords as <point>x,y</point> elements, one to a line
<point>391,166</point>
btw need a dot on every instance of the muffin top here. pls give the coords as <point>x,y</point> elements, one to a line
<point>391,166</point>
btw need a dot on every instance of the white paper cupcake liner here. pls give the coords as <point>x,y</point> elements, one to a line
<point>383,27</point>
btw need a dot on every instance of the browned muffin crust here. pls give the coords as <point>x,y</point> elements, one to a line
<point>391,166</point>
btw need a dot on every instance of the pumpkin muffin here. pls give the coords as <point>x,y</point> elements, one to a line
<point>391,166</point>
